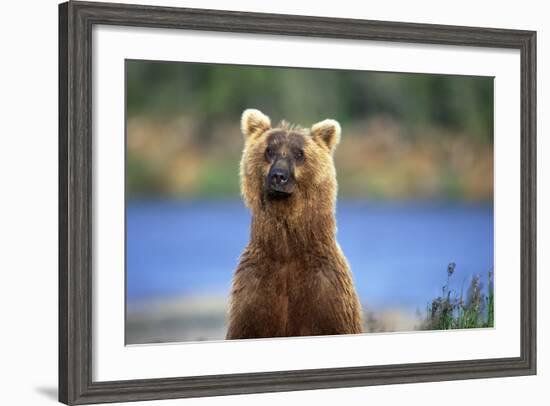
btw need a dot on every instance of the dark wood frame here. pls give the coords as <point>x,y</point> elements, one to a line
<point>76,20</point>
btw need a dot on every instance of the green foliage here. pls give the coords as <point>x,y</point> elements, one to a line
<point>452,311</point>
<point>210,92</point>
<point>407,136</point>
<point>216,181</point>
<point>142,176</point>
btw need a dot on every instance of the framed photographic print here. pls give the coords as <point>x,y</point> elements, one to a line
<point>259,202</point>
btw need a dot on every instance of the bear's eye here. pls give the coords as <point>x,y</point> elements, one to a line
<point>299,154</point>
<point>269,152</point>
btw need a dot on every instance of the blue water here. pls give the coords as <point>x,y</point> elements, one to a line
<point>398,252</point>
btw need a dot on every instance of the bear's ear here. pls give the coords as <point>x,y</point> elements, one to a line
<point>327,131</point>
<point>254,122</point>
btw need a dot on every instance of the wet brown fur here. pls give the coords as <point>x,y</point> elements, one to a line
<point>292,279</point>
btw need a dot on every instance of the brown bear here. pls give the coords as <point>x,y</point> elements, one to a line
<point>292,279</point>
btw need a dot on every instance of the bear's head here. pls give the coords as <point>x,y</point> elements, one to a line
<point>288,169</point>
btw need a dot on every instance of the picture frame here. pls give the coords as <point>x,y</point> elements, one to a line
<point>76,256</point>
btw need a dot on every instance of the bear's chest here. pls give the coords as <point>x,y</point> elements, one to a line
<point>301,294</point>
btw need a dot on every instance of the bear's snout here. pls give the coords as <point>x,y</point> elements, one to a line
<point>279,177</point>
<point>279,182</point>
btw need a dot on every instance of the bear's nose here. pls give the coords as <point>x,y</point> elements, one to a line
<point>279,177</point>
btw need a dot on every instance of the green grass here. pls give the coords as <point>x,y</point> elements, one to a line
<point>454,310</point>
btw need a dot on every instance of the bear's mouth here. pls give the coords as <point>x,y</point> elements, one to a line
<point>278,194</point>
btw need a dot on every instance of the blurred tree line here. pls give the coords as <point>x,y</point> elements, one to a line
<point>210,98</point>
<point>221,92</point>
